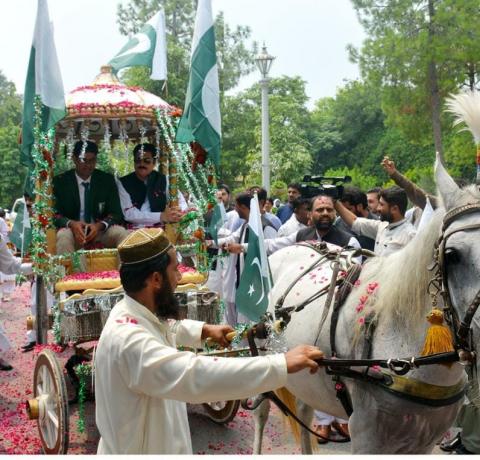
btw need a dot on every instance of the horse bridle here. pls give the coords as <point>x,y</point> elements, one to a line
<point>461,329</point>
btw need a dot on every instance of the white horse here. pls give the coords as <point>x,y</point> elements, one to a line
<point>394,290</point>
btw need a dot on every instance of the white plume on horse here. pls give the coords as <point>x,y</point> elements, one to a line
<point>466,108</point>
<point>382,422</point>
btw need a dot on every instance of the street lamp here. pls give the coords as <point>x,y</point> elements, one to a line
<point>264,62</point>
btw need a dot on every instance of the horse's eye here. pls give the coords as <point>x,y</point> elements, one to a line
<point>452,256</point>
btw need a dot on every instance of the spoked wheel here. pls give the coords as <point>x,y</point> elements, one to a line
<point>50,406</point>
<point>222,411</point>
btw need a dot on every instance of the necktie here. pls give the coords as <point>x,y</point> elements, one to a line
<point>243,239</point>
<point>86,201</point>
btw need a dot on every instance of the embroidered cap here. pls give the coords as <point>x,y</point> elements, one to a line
<point>142,245</point>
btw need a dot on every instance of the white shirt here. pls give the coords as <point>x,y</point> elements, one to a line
<point>292,225</point>
<point>274,245</point>
<point>389,238</point>
<point>142,217</point>
<point>4,228</point>
<point>12,265</point>
<point>142,381</point>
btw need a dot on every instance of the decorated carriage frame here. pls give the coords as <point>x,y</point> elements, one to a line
<point>116,117</point>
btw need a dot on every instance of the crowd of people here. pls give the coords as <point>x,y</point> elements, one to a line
<point>95,208</point>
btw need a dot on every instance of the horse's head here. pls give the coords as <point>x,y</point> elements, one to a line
<point>459,248</point>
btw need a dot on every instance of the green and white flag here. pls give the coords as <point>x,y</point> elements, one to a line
<point>219,217</point>
<point>43,79</point>
<point>147,48</point>
<point>21,234</point>
<point>201,117</point>
<point>251,298</point>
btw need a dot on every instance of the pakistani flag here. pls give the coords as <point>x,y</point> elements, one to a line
<point>44,80</point>
<point>251,298</point>
<point>219,217</point>
<point>201,118</point>
<point>146,48</point>
<point>21,234</point>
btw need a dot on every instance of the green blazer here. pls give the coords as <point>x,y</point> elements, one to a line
<point>104,200</point>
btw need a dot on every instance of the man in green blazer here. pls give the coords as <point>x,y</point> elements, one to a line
<point>87,206</point>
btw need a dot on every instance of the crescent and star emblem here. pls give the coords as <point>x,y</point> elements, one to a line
<point>143,44</point>
<point>257,263</point>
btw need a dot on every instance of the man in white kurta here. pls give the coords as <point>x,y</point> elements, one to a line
<point>9,265</point>
<point>142,381</point>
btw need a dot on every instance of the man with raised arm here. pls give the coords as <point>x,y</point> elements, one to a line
<point>143,382</point>
<point>393,231</point>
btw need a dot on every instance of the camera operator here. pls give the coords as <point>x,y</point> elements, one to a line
<point>393,231</point>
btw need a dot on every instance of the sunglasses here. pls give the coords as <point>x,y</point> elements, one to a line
<point>147,161</point>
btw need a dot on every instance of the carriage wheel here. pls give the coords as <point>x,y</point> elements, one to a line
<point>50,406</point>
<point>222,411</point>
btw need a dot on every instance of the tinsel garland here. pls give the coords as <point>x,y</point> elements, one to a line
<point>57,333</point>
<point>20,279</point>
<point>191,182</point>
<point>41,210</point>
<point>220,312</point>
<point>83,371</point>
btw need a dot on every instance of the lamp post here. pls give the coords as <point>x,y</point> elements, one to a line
<point>264,62</point>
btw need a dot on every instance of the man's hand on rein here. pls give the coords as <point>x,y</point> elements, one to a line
<point>218,333</point>
<point>303,357</point>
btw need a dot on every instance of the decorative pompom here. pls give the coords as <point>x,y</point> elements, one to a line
<point>439,338</point>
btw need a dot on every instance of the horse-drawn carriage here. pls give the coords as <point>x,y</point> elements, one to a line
<point>86,283</point>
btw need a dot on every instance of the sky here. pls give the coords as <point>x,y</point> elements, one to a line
<point>307,37</point>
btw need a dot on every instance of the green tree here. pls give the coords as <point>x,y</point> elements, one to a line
<point>349,132</point>
<point>12,174</point>
<point>290,156</point>
<point>10,103</point>
<point>409,56</point>
<point>234,58</point>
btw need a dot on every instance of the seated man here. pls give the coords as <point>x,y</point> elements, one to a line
<point>87,206</point>
<point>144,192</point>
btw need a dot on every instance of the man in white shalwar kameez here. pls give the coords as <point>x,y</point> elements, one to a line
<point>9,265</point>
<point>142,382</point>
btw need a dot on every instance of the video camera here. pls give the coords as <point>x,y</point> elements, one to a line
<point>331,186</point>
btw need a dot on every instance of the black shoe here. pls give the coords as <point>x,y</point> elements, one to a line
<point>28,347</point>
<point>462,450</point>
<point>451,445</point>
<point>5,367</point>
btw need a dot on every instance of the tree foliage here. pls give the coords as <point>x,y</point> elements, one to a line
<point>12,174</point>
<point>290,156</point>
<point>416,52</point>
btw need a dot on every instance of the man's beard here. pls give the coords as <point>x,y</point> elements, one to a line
<point>323,225</point>
<point>386,217</point>
<point>166,303</point>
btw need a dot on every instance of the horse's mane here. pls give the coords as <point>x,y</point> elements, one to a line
<point>403,277</point>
